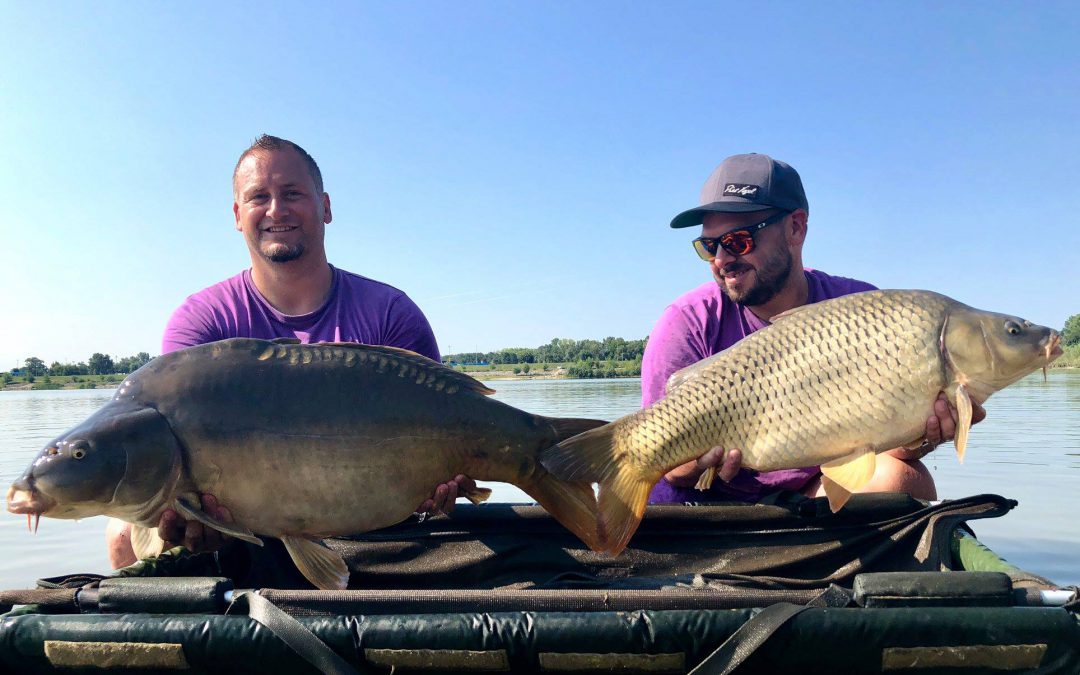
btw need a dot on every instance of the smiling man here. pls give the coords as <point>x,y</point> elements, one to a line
<point>290,291</point>
<point>753,217</point>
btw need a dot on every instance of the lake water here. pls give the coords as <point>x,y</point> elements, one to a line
<point>1028,449</point>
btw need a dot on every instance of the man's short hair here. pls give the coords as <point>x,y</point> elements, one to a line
<point>267,142</point>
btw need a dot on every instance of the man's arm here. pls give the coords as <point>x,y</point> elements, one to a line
<point>408,328</point>
<point>189,325</point>
<point>670,348</point>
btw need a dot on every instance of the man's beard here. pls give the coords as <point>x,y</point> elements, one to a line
<point>770,278</point>
<point>280,253</point>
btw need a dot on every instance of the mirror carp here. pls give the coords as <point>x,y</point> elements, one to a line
<point>299,442</point>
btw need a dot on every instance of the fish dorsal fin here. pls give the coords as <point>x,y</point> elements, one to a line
<point>286,341</point>
<point>186,509</point>
<point>963,422</point>
<point>146,542</point>
<point>681,375</point>
<point>320,565</point>
<point>435,372</point>
<point>850,473</point>
<point>790,312</point>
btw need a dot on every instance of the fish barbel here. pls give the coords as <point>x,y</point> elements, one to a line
<point>830,384</point>
<point>299,442</point>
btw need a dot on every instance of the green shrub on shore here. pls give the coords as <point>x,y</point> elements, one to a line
<point>604,369</point>
<point>1070,359</point>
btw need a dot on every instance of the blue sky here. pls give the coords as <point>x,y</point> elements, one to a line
<point>513,166</point>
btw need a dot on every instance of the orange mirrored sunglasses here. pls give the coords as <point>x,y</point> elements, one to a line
<point>737,242</point>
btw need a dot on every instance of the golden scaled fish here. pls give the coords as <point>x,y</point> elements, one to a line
<point>830,384</point>
<point>300,442</point>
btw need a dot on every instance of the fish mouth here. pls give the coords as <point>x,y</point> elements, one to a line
<point>28,501</point>
<point>1053,346</point>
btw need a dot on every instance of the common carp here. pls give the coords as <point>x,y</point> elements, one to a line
<point>830,384</point>
<point>299,442</point>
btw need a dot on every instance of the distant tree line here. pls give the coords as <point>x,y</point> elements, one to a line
<point>98,364</point>
<point>1070,334</point>
<point>559,350</point>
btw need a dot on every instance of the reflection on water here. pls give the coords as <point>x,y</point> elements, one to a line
<point>1028,449</point>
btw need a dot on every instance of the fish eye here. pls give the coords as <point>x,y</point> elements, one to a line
<point>1013,328</point>
<point>78,453</point>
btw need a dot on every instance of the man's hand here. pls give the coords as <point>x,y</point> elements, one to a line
<point>195,536</point>
<point>446,494</point>
<point>940,427</point>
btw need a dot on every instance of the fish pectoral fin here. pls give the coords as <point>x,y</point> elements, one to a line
<point>146,542</point>
<point>478,495</point>
<point>186,509</point>
<point>963,424</point>
<point>705,480</point>
<point>319,564</point>
<point>848,474</point>
<point>916,444</point>
<point>836,495</point>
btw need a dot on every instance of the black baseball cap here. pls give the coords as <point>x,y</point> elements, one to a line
<point>744,183</point>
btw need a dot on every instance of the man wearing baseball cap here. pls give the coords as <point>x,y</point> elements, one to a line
<point>753,218</point>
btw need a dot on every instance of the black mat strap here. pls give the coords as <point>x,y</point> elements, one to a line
<point>293,633</point>
<point>752,634</point>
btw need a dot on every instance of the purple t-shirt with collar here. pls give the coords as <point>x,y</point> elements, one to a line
<point>697,325</point>
<point>358,310</point>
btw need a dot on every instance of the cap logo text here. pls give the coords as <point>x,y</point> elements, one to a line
<point>741,190</point>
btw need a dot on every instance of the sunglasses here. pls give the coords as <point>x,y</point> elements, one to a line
<point>737,242</point>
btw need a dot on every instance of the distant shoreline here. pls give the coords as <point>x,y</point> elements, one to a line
<point>24,386</point>
<point>556,374</point>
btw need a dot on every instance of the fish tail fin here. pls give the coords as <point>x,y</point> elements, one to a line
<point>572,504</point>
<point>566,427</point>
<point>624,489</point>
<point>623,497</point>
<point>586,456</point>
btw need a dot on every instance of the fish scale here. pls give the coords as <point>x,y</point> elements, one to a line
<point>828,384</point>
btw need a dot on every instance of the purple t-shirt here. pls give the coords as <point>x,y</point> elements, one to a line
<point>697,325</point>
<point>358,310</point>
